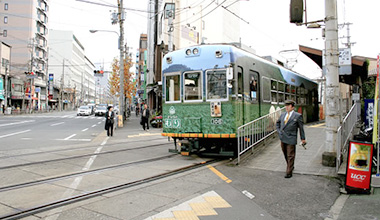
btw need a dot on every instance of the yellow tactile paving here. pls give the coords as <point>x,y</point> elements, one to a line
<point>203,209</point>
<point>217,202</point>
<point>203,205</point>
<point>185,215</point>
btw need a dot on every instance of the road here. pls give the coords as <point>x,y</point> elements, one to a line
<point>28,132</point>
<point>53,157</point>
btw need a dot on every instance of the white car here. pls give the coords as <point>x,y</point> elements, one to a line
<point>100,110</point>
<point>84,110</point>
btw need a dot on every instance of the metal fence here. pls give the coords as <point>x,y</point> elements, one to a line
<point>345,131</point>
<point>252,133</point>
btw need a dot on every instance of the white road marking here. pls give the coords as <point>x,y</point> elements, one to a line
<point>8,135</point>
<point>16,123</point>
<point>54,214</point>
<point>93,126</point>
<point>85,129</point>
<point>73,135</point>
<point>57,124</point>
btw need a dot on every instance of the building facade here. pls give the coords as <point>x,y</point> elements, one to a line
<point>5,56</point>
<point>181,23</point>
<point>72,71</point>
<point>24,26</point>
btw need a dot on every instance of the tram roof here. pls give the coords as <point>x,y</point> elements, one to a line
<point>235,48</point>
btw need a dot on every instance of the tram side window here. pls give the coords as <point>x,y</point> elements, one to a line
<point>281,96</point>
<point>266,89</point>
<point>254,86</point>
<point>216,84</point>
<point>172,88</point>
<point>240,80</point>
<point>273,90</point>
<point>193,86</point>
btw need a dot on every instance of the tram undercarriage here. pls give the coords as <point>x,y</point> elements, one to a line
<point>206,146</point>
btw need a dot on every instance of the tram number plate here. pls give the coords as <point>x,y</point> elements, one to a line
<point>172,123</point>
<point>216,121</point>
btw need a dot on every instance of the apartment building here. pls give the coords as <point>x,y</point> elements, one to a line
<point>72,70</point>
<point>24,26</point>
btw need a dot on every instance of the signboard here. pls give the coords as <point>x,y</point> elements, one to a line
<point>1,89</point>
<point>369,110</point>
<point>359,165</point>
<point>216,109</point>
<point>345,67</point>
<point>51,80</point>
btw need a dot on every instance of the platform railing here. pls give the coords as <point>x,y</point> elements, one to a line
<point>252,133</point>
<point>345,132</point>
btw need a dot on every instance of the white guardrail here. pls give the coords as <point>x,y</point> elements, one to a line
<point>345,132</point>
<point>252,133</point>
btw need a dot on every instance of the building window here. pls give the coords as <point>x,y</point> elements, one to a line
<point>5,33</point>
<point>6,6</point>
<point>5,20</point>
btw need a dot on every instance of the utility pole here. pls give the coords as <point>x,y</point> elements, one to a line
<point>332,83</point>
<point>121,22</point>
<point>61,87</point>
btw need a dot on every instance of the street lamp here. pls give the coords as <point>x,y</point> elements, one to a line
<point>121,48</point>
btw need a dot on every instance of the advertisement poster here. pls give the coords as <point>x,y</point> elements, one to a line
<point>359,165</point>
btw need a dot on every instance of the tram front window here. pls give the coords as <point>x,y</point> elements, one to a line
<point>216,84</point>
<point>172,88</point>
<point>193,89</point>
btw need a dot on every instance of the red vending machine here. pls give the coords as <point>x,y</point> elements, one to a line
<point>359,166</point>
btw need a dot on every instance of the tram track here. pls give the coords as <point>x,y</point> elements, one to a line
<point>70,149</point>
<point>79,156</point>
<point>69,200</point>
<point>81,173</point>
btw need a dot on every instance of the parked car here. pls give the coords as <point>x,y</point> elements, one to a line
<point>100,110</point>
<point>84,110</point>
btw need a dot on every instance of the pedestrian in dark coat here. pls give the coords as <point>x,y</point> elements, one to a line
<point>287,126</point>
<point>110,115</point>
<point>145,117</point>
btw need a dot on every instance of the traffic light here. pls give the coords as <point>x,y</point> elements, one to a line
<point>30,75</point>
<point>98,73</point>
<point>296,11</point>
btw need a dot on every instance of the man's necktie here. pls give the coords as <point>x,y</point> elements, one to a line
<point>287,118</point>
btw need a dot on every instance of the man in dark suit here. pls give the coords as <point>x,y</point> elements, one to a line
<point>145,117</point>
<point>110,115</point>
<point>287,126</point>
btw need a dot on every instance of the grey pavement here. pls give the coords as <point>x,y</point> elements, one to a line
<point>312,193</point>
<point>254,189</point>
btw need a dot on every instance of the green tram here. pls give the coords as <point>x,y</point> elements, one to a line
<point>211,90</point>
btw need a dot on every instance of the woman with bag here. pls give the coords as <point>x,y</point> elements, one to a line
<point>109,121</point>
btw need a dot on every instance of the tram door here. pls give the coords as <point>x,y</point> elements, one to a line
<point>239,106</point>
<point>252,107</point>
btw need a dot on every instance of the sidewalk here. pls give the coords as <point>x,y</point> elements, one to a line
<point>309,162</point>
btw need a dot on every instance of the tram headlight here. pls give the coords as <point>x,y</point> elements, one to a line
<point>188,52</point>
<point>218,53</point>
<point>195,51</point>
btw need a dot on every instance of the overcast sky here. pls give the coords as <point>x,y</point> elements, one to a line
<point>268,31</point>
